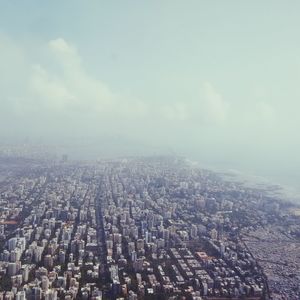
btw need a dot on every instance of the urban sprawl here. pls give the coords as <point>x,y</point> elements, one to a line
<point>142,228</point>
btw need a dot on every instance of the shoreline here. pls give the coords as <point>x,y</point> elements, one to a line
<point>281,191</point>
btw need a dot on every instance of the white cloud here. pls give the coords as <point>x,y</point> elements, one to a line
<point>175,112</point>
<point>57,85</point>
<point>213,108</point>
<point>75,91</point>
<point>66,53</point>
<point>67,90</point>
<point>60,45</point>
<point>209,108</point>
<point>49,92</point>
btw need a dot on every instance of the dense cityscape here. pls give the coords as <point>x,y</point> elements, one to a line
<point>149,150</point>
<point>142,228</point>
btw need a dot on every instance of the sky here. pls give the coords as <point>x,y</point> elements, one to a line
<point>217,81</point>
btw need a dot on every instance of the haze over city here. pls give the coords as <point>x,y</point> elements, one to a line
<point>215,81</point>
<point>149,150</point>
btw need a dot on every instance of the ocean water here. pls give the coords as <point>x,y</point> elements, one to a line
<point>288,182</point>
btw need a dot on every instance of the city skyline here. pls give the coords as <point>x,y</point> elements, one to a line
<point>215,81</point>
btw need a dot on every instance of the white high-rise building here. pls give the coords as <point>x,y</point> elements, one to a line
<point>45,283</point>
<point>12,269</point>
<point>51,295</point>
<point>21,295</point>
<point>15,242</point>
<point>194,231</point>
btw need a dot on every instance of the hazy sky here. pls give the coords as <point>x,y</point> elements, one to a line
<point>218,79</point>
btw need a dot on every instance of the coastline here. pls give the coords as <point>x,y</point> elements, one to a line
<point>274,189</point>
